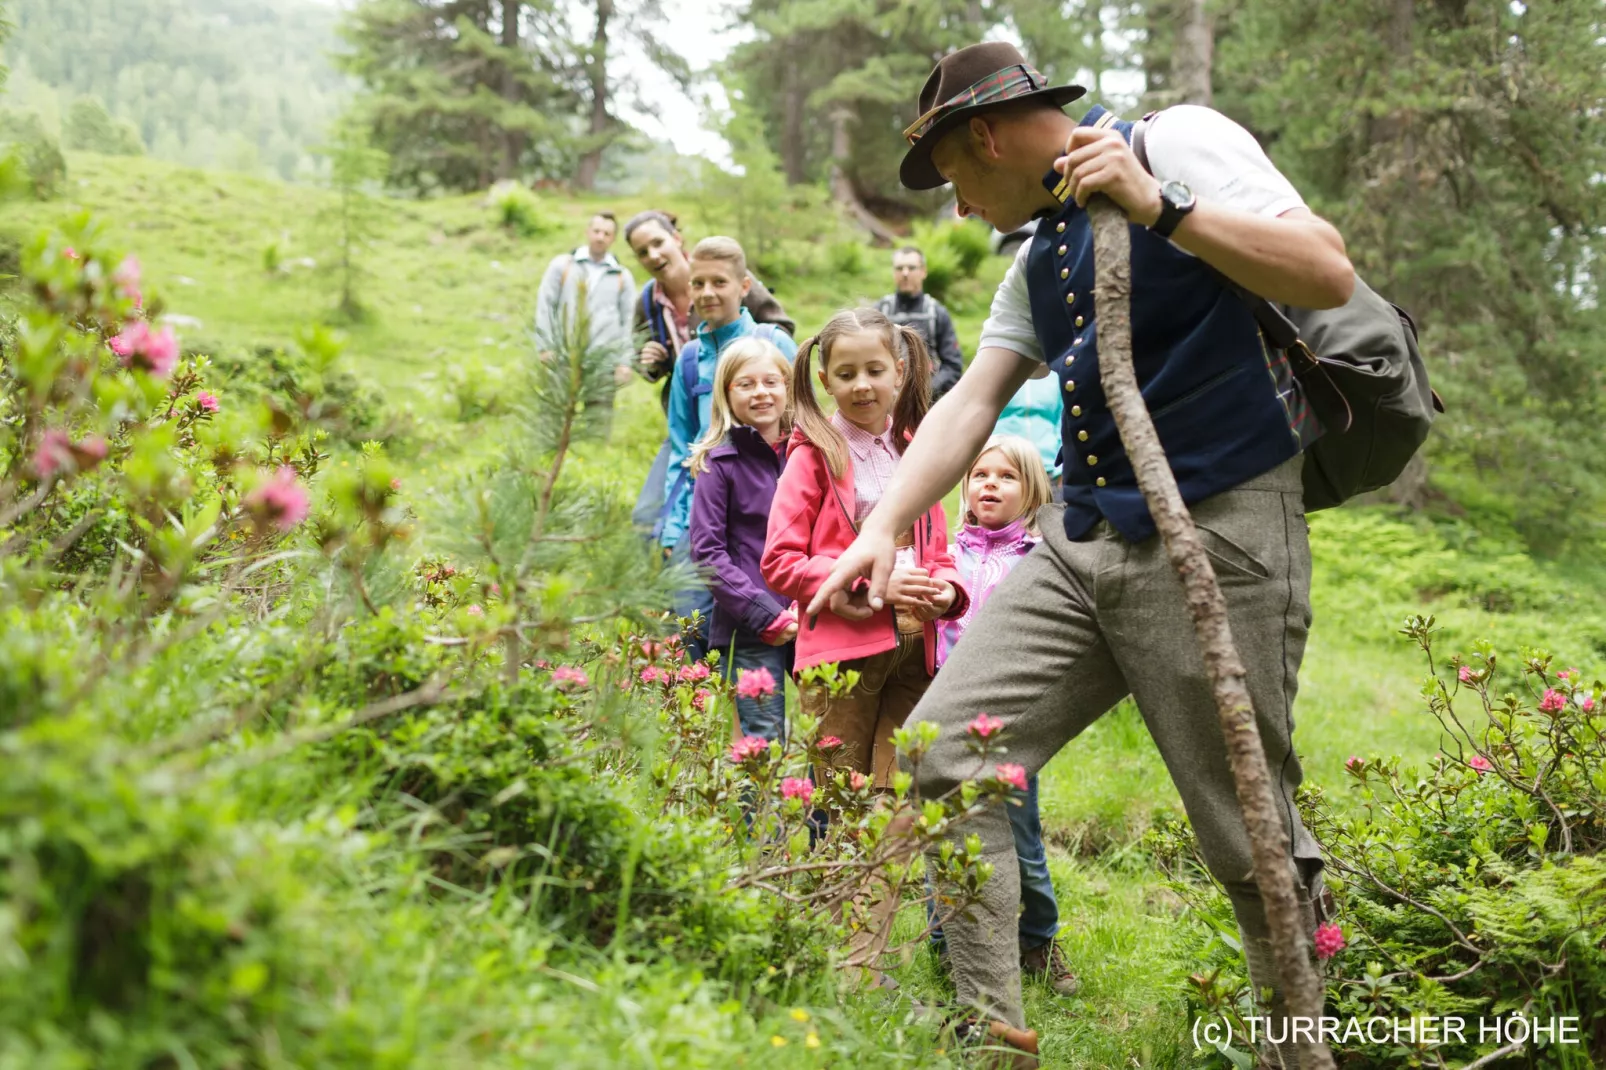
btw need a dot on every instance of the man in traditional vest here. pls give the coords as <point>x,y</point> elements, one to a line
<point>1097,612</point>
<point>910,304</point>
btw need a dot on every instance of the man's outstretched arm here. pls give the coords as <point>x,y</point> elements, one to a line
<point>951,435</point>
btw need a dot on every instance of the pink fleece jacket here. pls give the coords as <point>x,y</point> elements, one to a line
<point>811,524</point>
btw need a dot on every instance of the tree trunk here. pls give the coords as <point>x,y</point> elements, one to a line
<point>512,140</point>
<point>1396,125</point>
<point>1273,867</point>
<point>597,72</point>
<point>793,155</point>
<point>842,191</point>
<point>1194,54</point>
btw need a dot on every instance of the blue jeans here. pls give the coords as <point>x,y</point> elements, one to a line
<point>696,597</point>
<point>764,717</point>
<point>650,502</point>
<point>1040,915</point>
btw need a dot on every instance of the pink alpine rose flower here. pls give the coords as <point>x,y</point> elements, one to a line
<point>1353,763</point>
<point>747,749</point>
<point>1480,763</point>
<point>131,337</point>
<point>690,674</point>
<point>207,401</point>
<point>1553,701</point>
<point>652,674</point>
<point>160,353</point>
<point>281,501</point>
<point>569,678</point>
<point>794,787</point>
<point>1465,674</point>
<point>1588,705</point>
<point>1012,774</point>
<point>857,780</point>
<point>476,611</point>
<point>70,253</point>
<point>53,455</point>
<point>755,683</point>
<point>395,484</point>
<point>1329,940</point>
<point>829,743</point>
<point>699,699</point>
<point>984,726</point>
<point>139,347</point>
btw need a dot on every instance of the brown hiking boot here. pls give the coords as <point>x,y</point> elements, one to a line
<point>1048,963</point>
<point>1001,1046</point>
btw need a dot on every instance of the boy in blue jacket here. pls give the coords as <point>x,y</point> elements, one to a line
<point>719,281</point>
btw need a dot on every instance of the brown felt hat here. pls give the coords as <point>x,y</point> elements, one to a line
<point>973,79</point>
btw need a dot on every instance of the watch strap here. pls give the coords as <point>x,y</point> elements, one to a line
<point>1170,216</point>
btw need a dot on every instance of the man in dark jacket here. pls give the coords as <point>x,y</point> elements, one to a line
<point>911,305</point>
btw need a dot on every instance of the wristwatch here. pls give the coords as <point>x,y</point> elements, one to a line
<point>1176,201</point>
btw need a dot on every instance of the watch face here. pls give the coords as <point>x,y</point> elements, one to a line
<point>1177,194</point>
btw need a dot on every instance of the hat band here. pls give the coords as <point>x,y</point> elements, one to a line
<point>1001,85</point>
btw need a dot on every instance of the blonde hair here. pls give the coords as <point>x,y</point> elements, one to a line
<point>903,343</point>
<point>1035,492</point>
<point>722,248</point>
<point>721,419</point>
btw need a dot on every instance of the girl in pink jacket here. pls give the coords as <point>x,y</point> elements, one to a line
<point>836,471</point>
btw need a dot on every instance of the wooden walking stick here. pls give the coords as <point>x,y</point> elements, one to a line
<point>1274,867</point>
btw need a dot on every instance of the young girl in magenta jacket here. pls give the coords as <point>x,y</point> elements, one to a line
<point>736,465</point>
<point>1003,490</point>
<point>836,471</point>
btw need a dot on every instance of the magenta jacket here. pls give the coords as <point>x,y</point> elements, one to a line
<point>983,558</point>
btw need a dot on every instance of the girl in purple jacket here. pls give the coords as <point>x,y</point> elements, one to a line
<point>737,464</point>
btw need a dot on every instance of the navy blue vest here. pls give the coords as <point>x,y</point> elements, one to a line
<point>1224,405</point>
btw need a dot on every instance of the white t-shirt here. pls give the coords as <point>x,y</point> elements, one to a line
<point>1213,156</point>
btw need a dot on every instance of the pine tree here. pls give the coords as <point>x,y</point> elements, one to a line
<point>354,167</point>
<point>461,93</point>
<point>834,83</point>
<point>1457,150</point>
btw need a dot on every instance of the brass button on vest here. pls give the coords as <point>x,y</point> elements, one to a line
<point>1079,321</point>
<point>1099,481</point>
<point>1070,299</point>
<point>1070,385</point>
<point>1065,273</point>
<point>1062,250</point>
<point>1060,229</point>
<point>1092,459</point>
<point>1076,410</point>
<point>1081,436</point>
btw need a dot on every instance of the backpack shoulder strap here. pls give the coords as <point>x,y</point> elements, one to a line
<point>690,358</point>
<point>1139,135</point>
<point>1279,329</point>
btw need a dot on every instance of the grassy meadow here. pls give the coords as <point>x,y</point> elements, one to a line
<point>245,263</point>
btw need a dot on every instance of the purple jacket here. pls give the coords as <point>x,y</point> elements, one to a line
<point>730,514</point>
<point>983,558</point>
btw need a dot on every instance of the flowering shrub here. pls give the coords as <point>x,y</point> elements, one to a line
<point>1474,887</point>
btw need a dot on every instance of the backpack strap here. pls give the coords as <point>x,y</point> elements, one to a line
<point>1279,331</point>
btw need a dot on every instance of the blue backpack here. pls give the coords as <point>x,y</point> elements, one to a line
<point>695,388</point>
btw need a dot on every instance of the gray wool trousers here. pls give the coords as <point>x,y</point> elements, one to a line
<point>1076,627</point>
